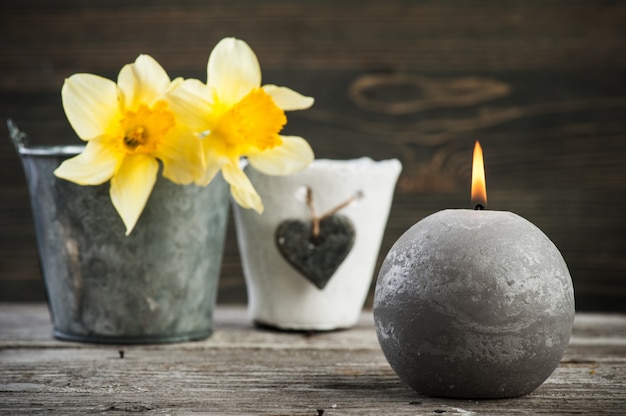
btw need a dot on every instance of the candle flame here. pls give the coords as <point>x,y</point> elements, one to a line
<point>479,186</point>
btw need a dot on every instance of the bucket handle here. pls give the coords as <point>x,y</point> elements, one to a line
<point>19,138</point>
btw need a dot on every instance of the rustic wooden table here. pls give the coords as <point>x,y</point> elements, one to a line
<point>246,370</point>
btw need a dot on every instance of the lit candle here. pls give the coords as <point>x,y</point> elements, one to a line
<point>474,303</point>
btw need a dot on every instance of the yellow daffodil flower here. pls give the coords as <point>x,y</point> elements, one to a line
<point>237,117</point>
<point>129,127</point>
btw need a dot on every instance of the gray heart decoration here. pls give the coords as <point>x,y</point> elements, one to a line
<point>316,258</point>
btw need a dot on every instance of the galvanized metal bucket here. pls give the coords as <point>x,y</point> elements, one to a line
<point>156,285</point>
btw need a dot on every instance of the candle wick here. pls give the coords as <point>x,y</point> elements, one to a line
<point>479,207</point>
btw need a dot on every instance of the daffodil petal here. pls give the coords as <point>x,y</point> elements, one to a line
<point>94,166</point>
<point>175,83</point>
<point>131,187</point>
<point>181,154</point>
<point>212,164</point>
<point>233,70</point>
<point>241,188</point>
<point>142,82</point>
<point>192,102</point>
<point>288,99</point>
<point>292,156</point>
<point>90,104</point>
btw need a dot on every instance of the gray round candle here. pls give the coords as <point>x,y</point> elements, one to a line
<point>474,304</point>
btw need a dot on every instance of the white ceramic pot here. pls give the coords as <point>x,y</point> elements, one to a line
<point>279,292</point>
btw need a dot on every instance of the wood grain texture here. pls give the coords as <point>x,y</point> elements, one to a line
<point>542,85</point>
<point>243,370</point>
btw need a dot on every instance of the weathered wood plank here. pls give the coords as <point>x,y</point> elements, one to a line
<point>541,84</point>
<point>243,370</point>
<point>425,36</point>
<point>280,381</point>
<point>566,177</point>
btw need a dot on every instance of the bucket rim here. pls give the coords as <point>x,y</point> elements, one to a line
<point>23,147</point>
<point>63,150</point>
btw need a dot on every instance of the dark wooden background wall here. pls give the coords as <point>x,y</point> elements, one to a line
<point>541,83</point>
